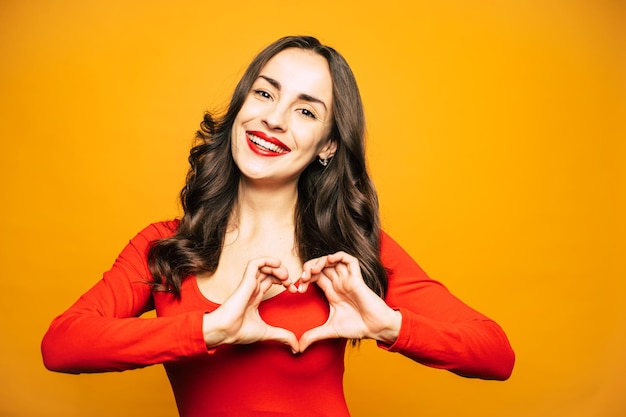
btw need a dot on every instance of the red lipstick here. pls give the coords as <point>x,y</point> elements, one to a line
<point>262,144</point>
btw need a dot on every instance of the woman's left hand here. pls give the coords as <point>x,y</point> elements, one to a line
<point>356,312</point>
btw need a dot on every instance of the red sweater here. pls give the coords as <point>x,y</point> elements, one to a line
<point>102,331</point>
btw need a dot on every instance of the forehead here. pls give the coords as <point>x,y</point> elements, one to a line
<point>301,70</point>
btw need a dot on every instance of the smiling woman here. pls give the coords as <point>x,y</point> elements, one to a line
<point>277,262</point>
<point>288,113</point>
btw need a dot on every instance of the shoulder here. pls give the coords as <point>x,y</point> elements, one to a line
<point>396,259</point>
<point>388,246</point>
<point>158,230</point>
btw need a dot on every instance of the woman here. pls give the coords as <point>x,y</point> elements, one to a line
<point>278,261</point>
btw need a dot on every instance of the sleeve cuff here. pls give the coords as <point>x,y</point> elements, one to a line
<point>404,336</point>
<point>197,337</point>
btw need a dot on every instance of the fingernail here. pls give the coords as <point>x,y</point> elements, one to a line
<point>303,274</point>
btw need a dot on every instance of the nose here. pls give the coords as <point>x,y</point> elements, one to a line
<point>275,118</point>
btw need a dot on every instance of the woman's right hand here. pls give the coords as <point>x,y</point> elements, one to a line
<point>237,320</point>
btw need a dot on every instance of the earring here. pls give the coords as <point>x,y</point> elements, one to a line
<point>323,161</point>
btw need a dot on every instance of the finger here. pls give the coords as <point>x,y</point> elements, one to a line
<point>305,280</point>
<point>343,258</point>
<point>283,336</point>
<point>310,272</point>
<point>346,266</point>
<point>315,266</point>
<point>342,271</point>
<point>338,256</point>
<point>254,266</point>
<point>279,272</point>
<point>255,281</point>
<point>343,281</point>
<point>331,273</point>
<point>266,284</point>
<point>268,267</point>
<point>316,334</point>
<point>326,285</point>
<point>278,276</point>
<point>264,261</point>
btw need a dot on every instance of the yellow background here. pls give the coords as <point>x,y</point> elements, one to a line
<point>496,140</point>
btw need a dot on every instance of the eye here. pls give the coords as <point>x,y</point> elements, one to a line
<point>262,93</point>
<point>307,113</point>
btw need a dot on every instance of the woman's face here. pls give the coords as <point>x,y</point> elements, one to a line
<point>286,119</point>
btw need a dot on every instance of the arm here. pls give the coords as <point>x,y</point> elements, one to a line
<point>438,329</point>
<point>102,331</point>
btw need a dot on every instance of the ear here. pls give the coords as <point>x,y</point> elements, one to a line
<point>328,150</point>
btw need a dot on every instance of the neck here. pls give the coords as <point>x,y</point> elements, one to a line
<point>264,209</point>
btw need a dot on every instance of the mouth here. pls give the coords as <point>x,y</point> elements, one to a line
<point>265,145</point>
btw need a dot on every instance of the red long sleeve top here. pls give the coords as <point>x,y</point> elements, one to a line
<point>103,331</point>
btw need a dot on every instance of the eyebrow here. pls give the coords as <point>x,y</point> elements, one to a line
<point>302,96</point>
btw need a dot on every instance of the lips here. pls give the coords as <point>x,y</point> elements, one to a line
<point>262,144</point>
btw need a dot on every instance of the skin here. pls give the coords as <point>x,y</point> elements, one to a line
<point>356,312</point>
<point>292,102</point>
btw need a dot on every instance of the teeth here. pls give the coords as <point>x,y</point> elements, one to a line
<point>265,144</point>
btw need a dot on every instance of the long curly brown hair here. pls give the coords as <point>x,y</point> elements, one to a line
<point>337,207</point>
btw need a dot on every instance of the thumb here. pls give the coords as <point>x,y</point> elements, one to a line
<point>284,336</point>
<point>316,334</point>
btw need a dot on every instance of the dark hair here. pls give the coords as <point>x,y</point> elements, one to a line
<point>337,207</point>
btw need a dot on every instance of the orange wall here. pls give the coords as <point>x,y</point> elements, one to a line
<point>496,143</point>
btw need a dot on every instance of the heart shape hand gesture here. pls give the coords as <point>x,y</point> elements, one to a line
<point>356,312</point>
<point>237,320</point>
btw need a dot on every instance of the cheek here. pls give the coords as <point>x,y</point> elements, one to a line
<point>246,113</point>
<point>309,141</point>
<point>322,138</point>
<point>250,109</point>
